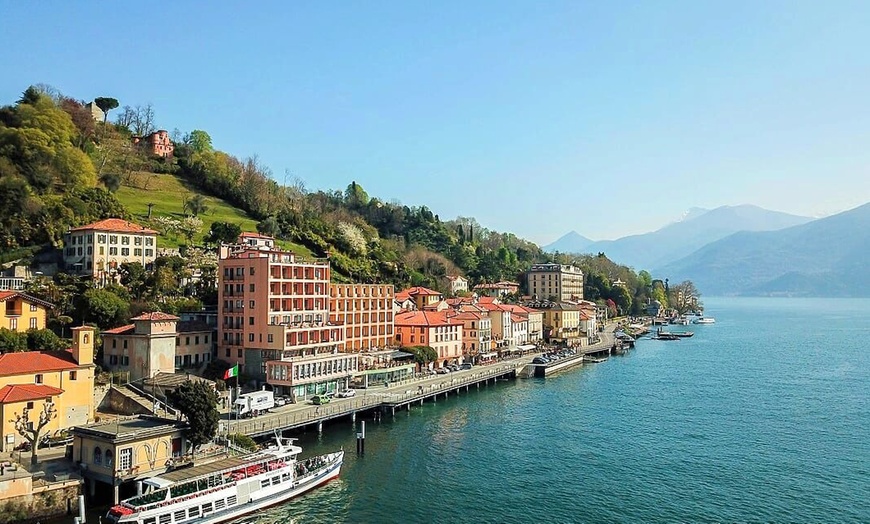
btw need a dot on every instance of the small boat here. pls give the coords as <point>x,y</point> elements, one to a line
<point>683,334</point>
<point>227,489</point>
<point>704,320</point>
<point>665,336</point>
<point>594,360</point>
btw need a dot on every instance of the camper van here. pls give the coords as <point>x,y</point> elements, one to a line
<point>252,404</point>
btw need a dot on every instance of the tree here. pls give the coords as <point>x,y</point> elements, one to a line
<point>423,355</point>
<point>133,277</point>
<point>190,227</point>
<point>223,232</point>
<point>269,227</point>
<point>31,430</point>
<point>44,339</point>
<point>198,402</point>
<point>11,341</point>
<point>106,104</point>
<point>199,141</point>
<point>103,307</point>
<point>195,205</point>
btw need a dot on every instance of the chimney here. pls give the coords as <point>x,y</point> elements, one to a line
<point>83,345</point>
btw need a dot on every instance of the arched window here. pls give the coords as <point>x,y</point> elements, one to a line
<point>87,338</point>
<point>98,456</point>
<point>109,458</point>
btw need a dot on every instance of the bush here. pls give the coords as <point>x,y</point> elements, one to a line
<point>243,441</point>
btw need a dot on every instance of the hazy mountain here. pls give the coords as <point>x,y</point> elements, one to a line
<point>825,257</point>
<point>695,229</point>
<point>572,242</point>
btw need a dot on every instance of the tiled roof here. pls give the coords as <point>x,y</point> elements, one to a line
<point>419,290</point>
<point>123,330</point>
<point>6,295</point>
<point>468,315</point>
<point>23,392</point>
<point>248,234</point>
<point>116,225</point>
<point>518,318</point>
<point>26,362</point>
<point>425,318</point>
<point>155,316</point>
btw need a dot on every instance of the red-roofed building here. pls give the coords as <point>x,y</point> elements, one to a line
<point>99,248</point>
<point>29,379</point>
<point>431,328</point>
<point>421,296</point>
<point>497,289</point>
<point>20,312</point>
<point>476,332</point>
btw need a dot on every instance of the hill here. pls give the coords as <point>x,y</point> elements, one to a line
<point>572,242</point>
<point>696,229</point>
<point>825,257</point>
<point>167,192</point>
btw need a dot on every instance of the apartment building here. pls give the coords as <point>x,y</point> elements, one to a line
<point>366,312</point>
<point>98,249</point>
<point>436,329</point>
<point>21,312</point>
<point>556,282</point>
<point>272,306</point>
<point>304,377</point>
<point>476,331</point>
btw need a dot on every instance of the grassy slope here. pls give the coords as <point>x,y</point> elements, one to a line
<point>168,192</point>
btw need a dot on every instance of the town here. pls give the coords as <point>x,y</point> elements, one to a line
<point>280,325</point>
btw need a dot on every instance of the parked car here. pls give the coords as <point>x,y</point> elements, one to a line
<point>539,360</point>
<point>347,393</point>
<point>280,401</point>
<point>320,400</point>
<point>442,371</point>
<point>467,365</point>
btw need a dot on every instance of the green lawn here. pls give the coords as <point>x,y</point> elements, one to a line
<point>168,192</point>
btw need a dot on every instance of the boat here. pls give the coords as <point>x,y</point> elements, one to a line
<point>681,321</point>
<point>704,320</point>
<point>594,360</point>
<point>682,334</point>
<point>229,488</point>
<point>665,336</point>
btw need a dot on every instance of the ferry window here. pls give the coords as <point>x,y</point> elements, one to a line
<point>192,512</point>
<point>276,481</point>
<point>180,515</point>
<point>231,501</point>
<point>264,483</point>
<point>166,519</point>
<point>150,520</point>
<point>206,508</point>
<point>219,504</point>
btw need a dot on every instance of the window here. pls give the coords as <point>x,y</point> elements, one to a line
<point>137,252</point>
<point>252,288</point>
<point>177,341</point>
<point>206,507</point>
<point>101,238</point>
<point>125,240</point>
<point>33,322</point>
<point>250,321</point>
<point>125,458</point>
<point>193,512</point>
<point>240,352</point>
<point>13,324</point>
<point>196,340</point>
<point>149,242</point>
<point>73,375</point>
<point>38,378</point>
<point>251,304</point>
<point>109,458</point>
<point>149,252</point>
<point>125,252</point>
<point>33,307</point>
<point>180,515</point>
<point>98,455</point>
<point>113,251</point>
<point>102,250</point>
<point>250,337</point>
<point>166,518</point>
<point>30,405</point>
<point>186,341</point>
<point>137,241</point>
<point>125,344</point>
<point>113,239</point>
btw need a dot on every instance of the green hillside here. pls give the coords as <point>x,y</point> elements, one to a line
<point>167,192</point>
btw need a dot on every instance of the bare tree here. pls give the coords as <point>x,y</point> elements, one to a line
<point>31,430</point>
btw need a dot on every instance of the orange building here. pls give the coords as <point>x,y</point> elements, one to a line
<point>272,305</point>
<point>20,312</point>
<point>157,143</point>
<point>431,328</point>
<point>366,311</point>
<point>421,296</point>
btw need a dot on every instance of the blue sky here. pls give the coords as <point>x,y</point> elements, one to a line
<point>609,118</point>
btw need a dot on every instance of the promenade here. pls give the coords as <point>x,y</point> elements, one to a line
<point>389,398</point>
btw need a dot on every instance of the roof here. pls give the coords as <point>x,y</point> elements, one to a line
<point>425,318</point>
<point>22,392</point>
<point>115,225</point>
<point>248,234</point>
<point>469,315</point>
<point>155,316</point>
<point>27,362</point>
<point>419,290</point>
<point>6,295</point>
<point>123,330</point>
<point>130,429</point>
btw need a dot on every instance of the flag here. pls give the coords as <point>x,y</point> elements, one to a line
<point>232,372</point>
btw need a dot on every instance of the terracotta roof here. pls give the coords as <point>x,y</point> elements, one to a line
<point>425,318</point>
<point>116,225</point>
<point>155,316</point>
<point>419,290</point>
<point>468,315</point>
<point>25,362</point>
<point>23,392</point>
<point>248,234</point>
<point>518,318</point>
<point>6,295</point>
<point>123,330</point>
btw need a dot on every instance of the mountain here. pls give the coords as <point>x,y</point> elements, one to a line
<point>825,257</point>
<point>572,242</point>
<point>695,229</point>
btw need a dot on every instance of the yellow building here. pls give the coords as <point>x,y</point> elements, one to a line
<point>119,452</point>
<point>20,312</point>
<point>561,322</point>
<point>422,297</point>
<point>30,379</point>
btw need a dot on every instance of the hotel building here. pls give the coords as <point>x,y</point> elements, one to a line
<point>366,311</point>
<point>98,249</point>
<point>555,282</point>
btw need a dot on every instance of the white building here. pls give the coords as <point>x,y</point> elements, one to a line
<point>98,249</point>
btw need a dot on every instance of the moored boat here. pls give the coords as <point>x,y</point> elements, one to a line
<point>704,320</point>
<point>227,489</point>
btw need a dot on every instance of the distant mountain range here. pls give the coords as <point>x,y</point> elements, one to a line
<point>825,257</point>
<point>695,229</point>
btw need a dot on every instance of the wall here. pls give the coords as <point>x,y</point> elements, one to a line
<point>52,499</point>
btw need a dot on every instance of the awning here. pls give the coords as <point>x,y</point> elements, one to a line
<point>396,355</point>
<point>526,347</point>
<point>488,355</point>
<point>157,482</point>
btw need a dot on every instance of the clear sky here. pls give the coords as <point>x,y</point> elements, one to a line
<point>609,118</point>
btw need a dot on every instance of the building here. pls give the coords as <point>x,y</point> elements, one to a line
<point>157,343</point>
<point>497,289</point>
<point>157,143</point>
<point>457,284</point>
<point>21,312</point>
<point>562,322</point>
<point>98,249</point>
<point>272,306</point>
<point>31,379</point>
<point>476,331</point>
<point>365,311</point>
<point>304,377</point>
<point>15,278</point>
<point>436,329</point>
<point>555,282</point>
<point>422,297</point>
<point>117,453</point>
<point>96,112</point>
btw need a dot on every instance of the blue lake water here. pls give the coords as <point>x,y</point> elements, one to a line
<point>763,416</point>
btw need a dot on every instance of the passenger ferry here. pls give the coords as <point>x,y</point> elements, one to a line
<point>227,489</point>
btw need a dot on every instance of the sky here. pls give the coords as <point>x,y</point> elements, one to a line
<point>537,118</point>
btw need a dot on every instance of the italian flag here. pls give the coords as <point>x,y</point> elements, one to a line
<point>232,372</point>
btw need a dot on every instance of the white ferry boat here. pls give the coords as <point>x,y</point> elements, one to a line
<point>705,320</point>
<point>227,489</point>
